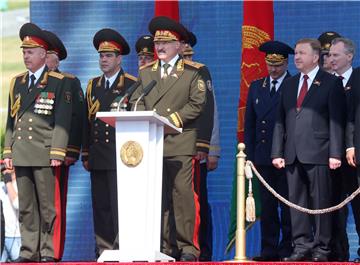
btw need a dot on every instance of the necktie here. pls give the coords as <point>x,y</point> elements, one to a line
<point>166,68</point>
<point>32,84</point>
<point>107,85</point>
<point>303,91</point>
<point>273,88</point>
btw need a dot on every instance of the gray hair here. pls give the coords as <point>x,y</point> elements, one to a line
<point>349,45</point>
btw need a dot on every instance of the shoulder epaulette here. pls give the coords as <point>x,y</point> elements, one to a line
<point>20,75</point>
<point>68,75</point>
<point>129,76</point>
<point>56,75</point>
<point>194,64</point>
<point>147,65</point>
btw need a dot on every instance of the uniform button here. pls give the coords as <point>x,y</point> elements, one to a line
<point>19,129</point>
<point>30,137</point>
<point>106,133</point>
<point>19,137</point>
<point>96,125</point>
<point>30,120</point>
<point>106,125</point>
<point>96,132</point>
<point>19,120</point>
<point>154,109</point>
<point>263,122</point>
<point>168,110</point>
<point>96,140</point>
<point>30,128</point>
<point>263,131</point>
<point>107,140</point>
<point>263,141</point>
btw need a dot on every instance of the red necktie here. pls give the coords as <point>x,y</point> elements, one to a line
<point>303,91</point>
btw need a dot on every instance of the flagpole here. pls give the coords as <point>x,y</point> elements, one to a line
<point>240,240</point>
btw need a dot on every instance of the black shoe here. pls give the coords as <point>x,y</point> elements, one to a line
<point>266,258</point>
<point>318,257</point>
<point>23,260</point>
<point>357,260</point>
<point>297,257</point>
<point>47,259</point>
<point>188,257</point>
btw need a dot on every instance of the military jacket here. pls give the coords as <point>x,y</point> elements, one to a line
<point>180,98</point>
<point>206,120</point>
<point>99,147</point>
<point>38,121</point>
<point>74,145</point>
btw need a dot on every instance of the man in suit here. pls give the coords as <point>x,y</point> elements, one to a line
<point>207,155</point>
<point>308,141</point>
<point>37,134</point>
<point>341,53</point>
<point>260,116</point>
<point>179,95</point>
<point>56,53</point>
<point>145,49</point>
<point>103,93</point>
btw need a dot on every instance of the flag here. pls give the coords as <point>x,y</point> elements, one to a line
<point>258,27</point>
<point>167,8</point>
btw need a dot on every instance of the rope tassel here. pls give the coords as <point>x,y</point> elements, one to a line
<point>250,201</point>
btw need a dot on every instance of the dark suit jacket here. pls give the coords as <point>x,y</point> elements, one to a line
<point>315,132</point>
<point>260,116</point>
<point>180,99</point>
<point>99,146</point>
<point>353,118</point>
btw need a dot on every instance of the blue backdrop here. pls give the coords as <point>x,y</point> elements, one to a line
<point>217,25</point>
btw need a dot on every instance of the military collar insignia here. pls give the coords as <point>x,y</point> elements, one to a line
<point>180,65</point>
<point>44,81</point>
<point>23,80</point>
<point>155,66</point>
<point>120,84</point>
<point>264,83</point>
<point>98,84</point>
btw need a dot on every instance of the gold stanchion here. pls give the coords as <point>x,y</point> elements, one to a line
<point>240,236</point>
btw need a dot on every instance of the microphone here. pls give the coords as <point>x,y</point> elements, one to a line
<point>146,91</point>
<point>128,93</point>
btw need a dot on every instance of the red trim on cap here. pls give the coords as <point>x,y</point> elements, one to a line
<point>39,41</point>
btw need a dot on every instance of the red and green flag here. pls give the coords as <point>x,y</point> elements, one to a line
<point>258,27</point>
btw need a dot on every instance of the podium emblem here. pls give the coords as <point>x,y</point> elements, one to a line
<point>131,153</point>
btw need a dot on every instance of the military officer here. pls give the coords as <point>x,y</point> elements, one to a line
<point>57,52</point>
<point>260,115</point>
<point>325,39</point>
<point>37,134</point>
<point>145,49</point>
<point>207,153</point>
<point>179,95</point>
<point>98,154</point>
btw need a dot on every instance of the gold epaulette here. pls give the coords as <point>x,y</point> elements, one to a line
<point>147,65</point>
<point>194,64</point>
<point>21,75</point>
<point>68,75</point>
<point>56,75</point>
<point>131,77</point>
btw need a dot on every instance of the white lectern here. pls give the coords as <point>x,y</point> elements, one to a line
<point>139,160</point>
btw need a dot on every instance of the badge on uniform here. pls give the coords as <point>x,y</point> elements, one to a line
<point>347,88</point>
<point>67,97</point>
<point>257,101</point>
<point>201,85</point>
<point>44,103</point>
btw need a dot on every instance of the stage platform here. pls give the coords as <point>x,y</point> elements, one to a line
<point>187,263</point>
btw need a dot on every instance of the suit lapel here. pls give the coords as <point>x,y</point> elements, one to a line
<point>313,88</point>
<point>30,97</point>
<point>294,90</point>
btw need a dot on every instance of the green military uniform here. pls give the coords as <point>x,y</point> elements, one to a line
<point>36,132</point>
<point>180,98</point>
